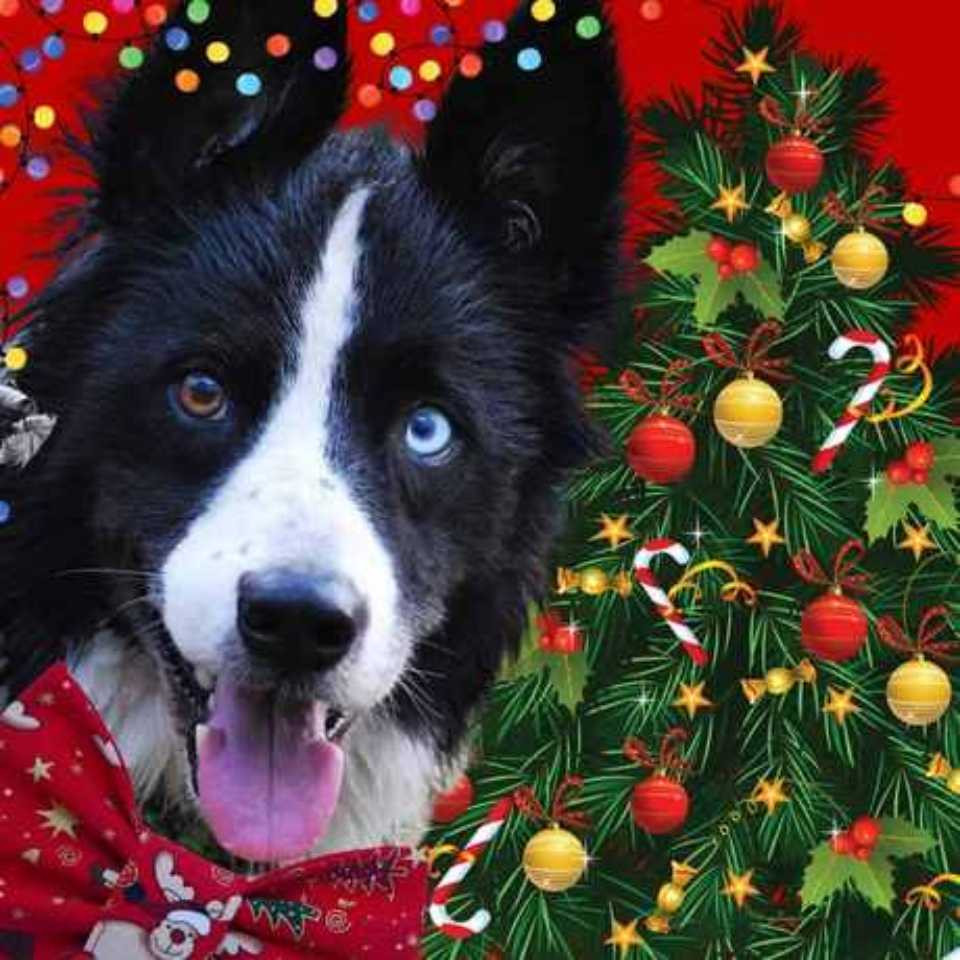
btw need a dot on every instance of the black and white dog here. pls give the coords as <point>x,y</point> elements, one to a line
<point>314,407</point>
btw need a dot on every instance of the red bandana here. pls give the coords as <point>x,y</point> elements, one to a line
<point>82,877</point>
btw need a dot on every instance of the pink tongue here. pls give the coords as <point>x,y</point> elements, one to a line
<point>268,782</point>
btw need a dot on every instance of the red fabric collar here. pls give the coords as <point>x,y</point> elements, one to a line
<point>81,876</point>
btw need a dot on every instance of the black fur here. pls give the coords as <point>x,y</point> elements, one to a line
<point>488,259</point>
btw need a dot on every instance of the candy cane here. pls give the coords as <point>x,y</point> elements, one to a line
<point>448,884</point>
<point>860,403</point>
<point>641,569</point>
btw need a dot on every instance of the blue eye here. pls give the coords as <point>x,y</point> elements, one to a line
<point>429,433</point>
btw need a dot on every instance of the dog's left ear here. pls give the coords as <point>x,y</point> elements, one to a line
<point>245,94</point>
<point>532,155</point>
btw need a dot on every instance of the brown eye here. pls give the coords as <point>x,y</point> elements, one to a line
<point>202,397</point>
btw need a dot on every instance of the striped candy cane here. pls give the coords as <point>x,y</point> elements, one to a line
<point>643,573</point>
<point>448,884</point>
<point>862,399</point>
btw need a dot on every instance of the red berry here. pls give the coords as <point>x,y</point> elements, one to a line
<point>863,853</point>
<point>920,476</point>
<point>920,456</point>
<point>864,831</point>
<point>725,270</point>
<point>841,843</point>
<point>898,473</point>
<point>718,250</point>
<point>744,258</point>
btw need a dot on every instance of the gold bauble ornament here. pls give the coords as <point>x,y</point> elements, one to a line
<point>919,692</point>
<point>953,781</point>
<point>796,227</point>
<point>779,681</point>
<point>594,581</point>
<point>860,260</point>
<point>670,898</point>
<point>554,859</point>
<point>748,412</point>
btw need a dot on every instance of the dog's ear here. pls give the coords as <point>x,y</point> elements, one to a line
<point>190,120</point>
<point>532,152</point>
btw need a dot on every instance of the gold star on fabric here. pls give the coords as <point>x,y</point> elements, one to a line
<point>917,540</point>
<point>840,704</point>
<point>770,793</point>
<point>624,936</point>
<point>59,820</point>
<point>755,64</point>
<point>40,770</point>
<point>615,530</point>
<point>732,200</point>
<point>691,698</point>
<point>739,887</point>
<point>767,535</point>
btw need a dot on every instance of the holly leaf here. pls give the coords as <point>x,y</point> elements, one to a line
<point>887,506</point>
<point>873,880</point>
<point>936,499</point>
<point>762,289</point>
<point>684,256</point>
<point>826,874</point>
<point>900,838</point>
<point>568,672</point>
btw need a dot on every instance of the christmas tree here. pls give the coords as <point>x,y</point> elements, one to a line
<point>729,733</point>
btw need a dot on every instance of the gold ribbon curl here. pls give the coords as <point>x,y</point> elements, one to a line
<point>909,362</point>
<point>731,591</point>
<point>927,894</point>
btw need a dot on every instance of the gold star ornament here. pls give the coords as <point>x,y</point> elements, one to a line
<point>840,704</point>
<point>739,888</point>
<point>770,793</point>
<point>917,540</point>
<point>755,64</point>
<point>614,530</point>
<point>767,535</point>
<point>624,936</point>
<point>40,770</point>
<point>691,698</point>
<point>732,201</point>
<point>59,820</point>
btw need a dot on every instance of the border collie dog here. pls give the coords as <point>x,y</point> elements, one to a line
<point>314,407</point>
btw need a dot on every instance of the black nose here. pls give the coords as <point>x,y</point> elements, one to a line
<point>297,621</point>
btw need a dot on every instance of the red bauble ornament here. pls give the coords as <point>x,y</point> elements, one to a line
<point>865,831</point>
<point>451,804</point>
<point>794,164</point>
<point>833,627</point>
<point>659,805</point>
<point>898,473</point>
<point>744,258</point>
<point>920,455</point>
<point>661,449</point>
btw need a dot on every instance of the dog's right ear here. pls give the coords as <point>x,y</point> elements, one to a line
<point>189,120</point>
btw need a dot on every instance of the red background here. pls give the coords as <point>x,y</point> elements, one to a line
<point>915,46</point>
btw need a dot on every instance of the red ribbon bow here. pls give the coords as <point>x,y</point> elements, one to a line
<point>669,759</point>
<point>525,800</point>
<point>755,359</point>
<point>848,556</point>
<point>932,623</point>
<point>82,877</point>
<point>675,378</point>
